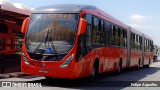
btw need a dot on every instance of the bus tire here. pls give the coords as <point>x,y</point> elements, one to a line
<point>147,66</point>
<point>148,63</point>
<point>94,71</point>
<point>139,64</point>
<point>49,78</point>
<point>119,69</point>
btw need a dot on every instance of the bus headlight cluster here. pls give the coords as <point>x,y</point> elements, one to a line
<point>67,61</point>
<point>25,59</point>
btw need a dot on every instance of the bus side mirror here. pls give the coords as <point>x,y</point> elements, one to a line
<point>25,25</point>
<point>82,26</point>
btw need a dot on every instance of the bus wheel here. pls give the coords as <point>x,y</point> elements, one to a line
<point>147,66</point>
<point>49,78</point>
<point>139,64</point>
<point>94,71</point>
<point>119,70</point>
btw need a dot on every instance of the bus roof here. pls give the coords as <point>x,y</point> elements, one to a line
<point>136,31</point>
<point>63,8</point>
<point>75,8</point>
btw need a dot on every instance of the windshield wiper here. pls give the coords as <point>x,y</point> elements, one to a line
<point>39,45</point>
<point>52,44</point>
<point>45,40</point>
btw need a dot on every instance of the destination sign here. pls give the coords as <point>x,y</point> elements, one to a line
<point>55,16</point>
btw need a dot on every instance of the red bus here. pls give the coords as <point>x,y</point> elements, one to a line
<point>73,41</point>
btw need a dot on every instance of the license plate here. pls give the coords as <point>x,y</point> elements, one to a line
<point>43,71</point>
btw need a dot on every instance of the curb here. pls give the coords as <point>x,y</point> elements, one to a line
<point>10,75</point>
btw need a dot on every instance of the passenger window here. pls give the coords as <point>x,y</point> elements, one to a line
<point>140,42</point>
<point>113,32</point>
<point>132,41</point>
<point>107,29</point>
<point>101,29</point>
<point>95,31</point>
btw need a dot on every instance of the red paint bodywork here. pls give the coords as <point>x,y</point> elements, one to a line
<point>109,58</point>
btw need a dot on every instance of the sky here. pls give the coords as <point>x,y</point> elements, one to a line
<point>143,15</point>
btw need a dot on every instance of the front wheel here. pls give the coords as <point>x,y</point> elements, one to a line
<point>93,75</point>
<point>49,78</point>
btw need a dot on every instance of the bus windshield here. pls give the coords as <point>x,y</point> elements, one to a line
<point>51,33</point>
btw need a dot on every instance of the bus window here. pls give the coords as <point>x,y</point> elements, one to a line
<point>101,29</point>
<point>132,41</point>
<point>117,36</point>
<point>88,31</point>
<point>152,47</point>
<point>84,41</point>
<point>107,32</point>
<point>122,38</point>
<point>113,35</point>
<point>136,42</point>
<point>140,42</point>
<point>125,38</point>
<point>88,18</point>
<point>146,44</point>
<point>95,31</point>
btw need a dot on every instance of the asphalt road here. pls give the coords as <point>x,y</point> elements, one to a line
<point>106,81</point>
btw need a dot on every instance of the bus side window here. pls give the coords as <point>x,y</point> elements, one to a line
<point>140,42</point>
<point>88,32</point>
<point>132,41</point>
<point>95,32</point>
<point>125,38</point>
<point>122,38</point>
<point>146,49</point>
<point>118,34</point>
<point>87,36</point>
<point>114,34</point>
<point>102,34</point>
<point>107,30</point>
<point>84,41</point>
<point>152,46</point>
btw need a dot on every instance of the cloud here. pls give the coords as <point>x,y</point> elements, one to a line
<point>134,25</point>
<point>146,24</point>
<point>137,17</point>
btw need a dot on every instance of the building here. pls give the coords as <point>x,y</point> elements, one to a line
<point>11,18</point>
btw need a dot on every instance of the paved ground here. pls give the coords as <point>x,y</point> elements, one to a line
<point>116,82</point>
<point>9,64</point>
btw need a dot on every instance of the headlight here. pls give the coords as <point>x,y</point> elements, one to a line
<point>25,59</point>
<point>67,61</point>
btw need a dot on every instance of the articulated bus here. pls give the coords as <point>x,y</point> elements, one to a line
<point>73,41</point>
